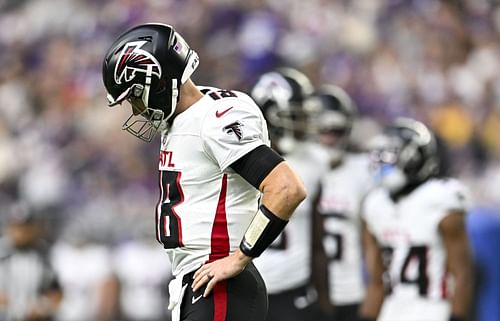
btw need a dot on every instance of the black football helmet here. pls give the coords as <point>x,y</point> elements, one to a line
<point>146,66</point>
<point>282,96</point>
<point>335,120</point>
<point>405,153</point>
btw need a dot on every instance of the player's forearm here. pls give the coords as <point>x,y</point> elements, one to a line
<point>463,292</point>
<point>372,303</point>
<point>321,283</point>
<point>454,235</point>
<point>319,277</point>
<point>282,191</point>
<point>375,292</point>
<point>283,204</point>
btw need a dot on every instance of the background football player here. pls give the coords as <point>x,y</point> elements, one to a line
<point>337,236</point>
<point>29,287</point>
<point>416,218</point>
<point>285,266</point>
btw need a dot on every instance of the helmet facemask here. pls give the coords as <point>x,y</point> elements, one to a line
<point>334,129</point>
<point>145,120</point>
<point>288,125</point>
<point>385,163</point>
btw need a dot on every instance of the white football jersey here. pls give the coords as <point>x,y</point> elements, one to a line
<point>413,250</point>
<point>342,191</point>
<point>205,207</point>
<point>286,264</point>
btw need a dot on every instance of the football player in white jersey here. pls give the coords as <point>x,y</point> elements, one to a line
<point>415,227</point>
<point>338,255</point>
<point>225,195</point>
<point>285,266</point>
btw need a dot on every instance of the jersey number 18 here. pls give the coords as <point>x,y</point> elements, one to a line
<point>168,223</point>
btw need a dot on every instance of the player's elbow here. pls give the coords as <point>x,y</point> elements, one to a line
<point>295,192</point>
<point>301,193</point>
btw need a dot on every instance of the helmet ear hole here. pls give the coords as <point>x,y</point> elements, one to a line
<point>159,86</point>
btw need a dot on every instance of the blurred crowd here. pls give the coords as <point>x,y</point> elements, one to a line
<point>61,150</point>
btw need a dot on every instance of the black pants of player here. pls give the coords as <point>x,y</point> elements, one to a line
<point>299,304</point>
<point>347,312</point>
<point>242,298</point>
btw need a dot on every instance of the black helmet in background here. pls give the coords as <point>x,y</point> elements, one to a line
<point>335,119</point>
<point>282,95</point>
<point>404,154</point>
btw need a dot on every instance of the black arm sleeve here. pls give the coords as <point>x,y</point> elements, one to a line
<point>257,164</point>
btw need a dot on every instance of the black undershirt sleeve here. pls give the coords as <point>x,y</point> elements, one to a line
<point>257,164</point>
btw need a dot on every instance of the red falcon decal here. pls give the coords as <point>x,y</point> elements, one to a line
<point>133,59</point>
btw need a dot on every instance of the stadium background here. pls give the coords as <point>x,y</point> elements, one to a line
<point>62,150</point>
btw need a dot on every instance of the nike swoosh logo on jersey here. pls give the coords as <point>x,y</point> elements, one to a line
<point>194,300</point>
<point>220,114</point>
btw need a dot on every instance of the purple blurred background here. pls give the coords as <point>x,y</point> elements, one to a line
<point>62,150</point>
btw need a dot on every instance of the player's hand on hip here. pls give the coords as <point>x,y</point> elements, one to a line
<point>219,270</point>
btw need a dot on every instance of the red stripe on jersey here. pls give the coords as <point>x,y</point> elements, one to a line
<point>220,301</point>
<point>444,286</point>
<point>219,243</point>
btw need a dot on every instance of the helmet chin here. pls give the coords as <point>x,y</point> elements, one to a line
<point>392,178</point>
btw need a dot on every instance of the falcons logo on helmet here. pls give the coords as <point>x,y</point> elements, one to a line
<point>133,59</point>
<point>234,128</point>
